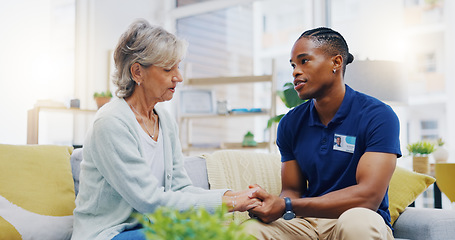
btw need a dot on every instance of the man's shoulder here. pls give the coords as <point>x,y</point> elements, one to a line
<point>297,112</point>
<point>304,107</point>
<point>369,103</point>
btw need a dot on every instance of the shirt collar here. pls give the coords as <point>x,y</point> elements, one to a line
<point>340,114</point>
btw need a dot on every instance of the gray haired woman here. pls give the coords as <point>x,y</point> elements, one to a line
<point>133,160</point>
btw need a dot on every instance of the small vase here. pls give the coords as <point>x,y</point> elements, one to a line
<point>420,164</point>
<point>441,155</point>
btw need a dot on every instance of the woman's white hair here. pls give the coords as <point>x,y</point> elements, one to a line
<point>147,45</point>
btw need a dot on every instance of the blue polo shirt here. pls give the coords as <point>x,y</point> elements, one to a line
<point>328,155</point>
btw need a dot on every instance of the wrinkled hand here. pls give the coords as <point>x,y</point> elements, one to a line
<point>272,206</point>
<point>241,200</point>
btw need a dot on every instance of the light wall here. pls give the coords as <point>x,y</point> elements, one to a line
<point>32,63</point>
<point>31,67</point>
<point>99,26</point>
<point>450,80</point>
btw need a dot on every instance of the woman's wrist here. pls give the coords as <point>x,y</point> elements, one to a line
<point>230,201</point>
<point>234,202</point>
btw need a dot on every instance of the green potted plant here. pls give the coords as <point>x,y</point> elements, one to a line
<point>102,98</point>
<point>290,99</point>
<point>248,140</point>
<point>168,223</point>
<point>420,151</point>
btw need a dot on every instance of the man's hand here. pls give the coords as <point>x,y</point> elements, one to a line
<point>272,206</point>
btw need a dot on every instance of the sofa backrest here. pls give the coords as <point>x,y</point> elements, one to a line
<point>194,165</point>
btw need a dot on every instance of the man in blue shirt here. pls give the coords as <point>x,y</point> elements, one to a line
<point>338,150</point>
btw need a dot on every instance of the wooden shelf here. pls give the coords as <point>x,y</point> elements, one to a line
<point>229,80</point>
<point>231,145</point>
<point>247,114</point>
<point>187,120</point>
<point>33,116</point>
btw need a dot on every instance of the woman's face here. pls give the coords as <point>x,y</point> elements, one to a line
<point>159,83</point>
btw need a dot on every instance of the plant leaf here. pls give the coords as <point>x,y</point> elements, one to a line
<point>274,119</point>
<point>291,97</point>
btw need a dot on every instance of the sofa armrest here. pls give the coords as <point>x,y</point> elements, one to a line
<point>76,159</point>
<point>197,171</point>
<point>425,224</point>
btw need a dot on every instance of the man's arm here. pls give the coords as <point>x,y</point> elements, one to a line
<point>293,185</point>
<point>373,175</point>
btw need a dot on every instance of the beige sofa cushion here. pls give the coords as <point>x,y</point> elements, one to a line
<point>237,169</point>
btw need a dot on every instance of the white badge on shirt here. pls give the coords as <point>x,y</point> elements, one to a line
<point>344,143</point>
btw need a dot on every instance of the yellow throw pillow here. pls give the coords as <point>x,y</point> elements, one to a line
<point>405,186</point>
<point>36,192</point>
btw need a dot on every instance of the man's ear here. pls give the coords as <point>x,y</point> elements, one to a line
<point>136,72</point>
<point>337,62</point>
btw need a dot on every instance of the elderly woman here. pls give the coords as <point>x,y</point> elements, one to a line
<point>132,155</point>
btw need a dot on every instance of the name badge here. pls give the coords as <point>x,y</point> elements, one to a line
<point>344,143</point>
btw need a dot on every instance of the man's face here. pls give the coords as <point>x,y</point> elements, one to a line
<point>313,69</point>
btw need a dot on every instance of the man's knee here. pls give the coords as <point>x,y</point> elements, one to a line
<point>296,228</point>
<point>358,223</point>
<point>356,218</point>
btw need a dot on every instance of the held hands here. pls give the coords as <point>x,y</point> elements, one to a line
<point>258,202</point>
<point>241,200</point>
<point>272,206</point>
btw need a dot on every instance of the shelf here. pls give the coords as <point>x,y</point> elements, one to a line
<point>191,128</point>
<point>248,114</point>
<point>223,146</point>
<point>229,80</point>
<point>63,109</point>
<point>33,117</point>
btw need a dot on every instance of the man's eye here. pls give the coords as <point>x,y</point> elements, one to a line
<point>304,61</point>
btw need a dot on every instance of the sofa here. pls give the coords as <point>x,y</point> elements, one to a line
<point>38,184</point>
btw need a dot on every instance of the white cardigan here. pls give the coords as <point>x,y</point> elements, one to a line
<point>115,180</point>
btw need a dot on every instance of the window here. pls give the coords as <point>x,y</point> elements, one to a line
<point>429,62</point>
<point>220,42</point>
<point>411,3</point>
<point>429,129</point>
<point>181,3</point>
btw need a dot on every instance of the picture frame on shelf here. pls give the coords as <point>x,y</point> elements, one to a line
<point>197,101</point>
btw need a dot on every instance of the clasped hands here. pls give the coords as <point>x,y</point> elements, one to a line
<point>259,203</point>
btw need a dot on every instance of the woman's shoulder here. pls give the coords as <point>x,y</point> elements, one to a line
<point>116,109</point>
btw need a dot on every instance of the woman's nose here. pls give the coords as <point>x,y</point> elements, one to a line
<point>178,77</point>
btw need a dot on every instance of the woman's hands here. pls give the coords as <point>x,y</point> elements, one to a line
<point>260,204</point>
<point>241,200</point>
<point>272,206</point>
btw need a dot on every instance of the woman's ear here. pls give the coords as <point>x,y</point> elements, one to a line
<point>136,72</point>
